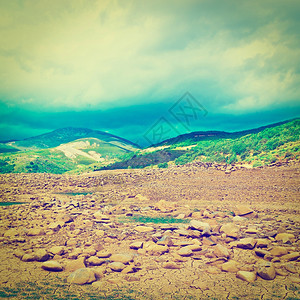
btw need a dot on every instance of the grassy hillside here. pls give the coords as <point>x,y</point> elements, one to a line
<point>258,147</point>
<point>272,144</point>
<point>77,156</point>
<point>69,134</point>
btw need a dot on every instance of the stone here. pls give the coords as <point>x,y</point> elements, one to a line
<point>239,219</point>
<point>221,251</point>
<point>74,254</point>
<point>29,257</point>
<point>291,256</point>
<point>144,229</point>
<point>201,226</point>
<point>246,276</point>
<point>278,251</point>
<point>291,268</point>
<point>123,258</point>
<point>103,254</point>
<point>262,243</point>
<point>261,253</point>
<point>165,241</point>
<point>246,243</point>
<point>185,251</point>
<point>154,249</point>
<point>165,206</point>
<point>35,232</point>
<point>230,230</point>
<point>266,271</point>
<point>284,237</point>
<point>117,266</point>
<point>19,253</point>
<point>82,276</point>
<point>136,245</point>
<point>171,265</point>
<point>52,265</point>
<point>74,265</point>
<point>55,226</point>
<point>57,250</point>
<point>99,272</point>
<point>129,269</point>
<point>230,266</point>
<point>41,255</point>
<point>242,210</point>
<point>95,261</point>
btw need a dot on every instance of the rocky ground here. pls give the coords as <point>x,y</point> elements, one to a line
<point>189,232</point>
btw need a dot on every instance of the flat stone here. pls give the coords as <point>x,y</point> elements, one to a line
<point>291,268</point>
<point>57,250</point>
<point>35,232</point>
<point>171,265</point>
<point>136,245</point>
<point>123,258</point>
<point>262,243</point>
<point>82,276</point>
<point>201,226</point>
<point>278,251</point>
<point>284,237</point>
<point>291,256</point>
<point>55,226</point>
<point>52,265</point>
<point>230,229</point>
<point>230,266</point>
<point>242,210</point>
<point>154,249</point>
<point>116,266</point>
<point>185,251</point>
<point>95,261</point>
<point>103,254</point>
<point>41,255</point>
<point>246,276</point>
<point>266,271</point>
<point>261,253</point>
<point>246,243</point>
<point>144,229</point>
<point>221,251</point>
<point>29,257</point>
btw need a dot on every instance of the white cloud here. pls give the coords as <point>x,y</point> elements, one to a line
<point>75,54</point>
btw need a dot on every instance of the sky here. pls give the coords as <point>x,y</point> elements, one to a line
<point>147,70</point>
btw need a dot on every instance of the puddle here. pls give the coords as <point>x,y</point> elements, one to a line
<point>11,203</point>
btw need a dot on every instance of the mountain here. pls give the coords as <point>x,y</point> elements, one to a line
<point>209,135</point>
<point>279,142</point>
<point>63,150</point>
<point>65,135</point>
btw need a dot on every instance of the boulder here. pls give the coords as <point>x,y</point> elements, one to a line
<point>82,276</point>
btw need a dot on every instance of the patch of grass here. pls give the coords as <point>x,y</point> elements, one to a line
<point>155,220</point>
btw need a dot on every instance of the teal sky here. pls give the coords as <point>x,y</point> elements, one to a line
<point>119,66</point>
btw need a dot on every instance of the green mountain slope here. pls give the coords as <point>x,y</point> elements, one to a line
<point>69,134</point>
<point>75,156</point>
<point>257,147</point>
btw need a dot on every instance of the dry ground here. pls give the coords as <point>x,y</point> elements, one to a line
<point>107,220</point>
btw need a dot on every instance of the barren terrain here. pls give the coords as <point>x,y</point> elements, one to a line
<point>186,232</point>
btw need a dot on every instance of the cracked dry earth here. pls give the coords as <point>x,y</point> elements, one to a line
<point>180,233</point>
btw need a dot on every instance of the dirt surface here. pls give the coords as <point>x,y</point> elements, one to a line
<point>185,232</point>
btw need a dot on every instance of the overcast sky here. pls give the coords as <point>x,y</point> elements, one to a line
<point>125,66</point>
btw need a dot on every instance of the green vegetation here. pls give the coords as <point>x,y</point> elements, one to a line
<point>258,147</point>
<point>138,160</point>
<point>10,203</point>
<point>273,144</point>
<point>154,220</point>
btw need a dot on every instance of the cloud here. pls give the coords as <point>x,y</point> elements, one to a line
<point>236,56</point>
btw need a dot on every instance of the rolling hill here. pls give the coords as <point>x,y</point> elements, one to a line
<point>63,150</point>
<point>279,142</point>
<point>69,134</point>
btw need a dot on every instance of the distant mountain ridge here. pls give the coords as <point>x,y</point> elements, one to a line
<point>69,134</point>
<point>202,135</point>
